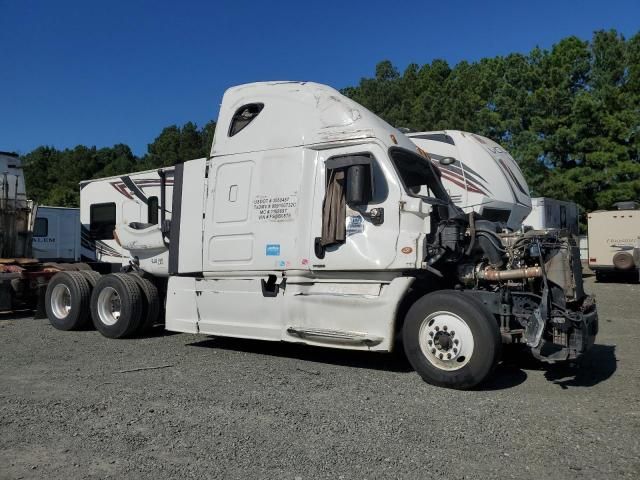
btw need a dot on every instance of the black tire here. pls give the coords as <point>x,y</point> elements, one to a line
<point>150,303</point>
<point>91,276</point>
<point>67,301</point>
<point>116,286</point>
<point>432,364</point>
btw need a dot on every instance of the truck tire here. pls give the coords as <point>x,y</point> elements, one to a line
<point>150,303</point>
<point>67,301</point>
<point>116,305</point>
<point>91,276</point>
<point>451,340</point>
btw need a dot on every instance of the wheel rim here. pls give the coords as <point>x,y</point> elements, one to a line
<point>446,340</point>
<point>61,301</point>
<point>109,306</point>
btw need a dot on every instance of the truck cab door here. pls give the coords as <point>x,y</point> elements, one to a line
<point>361,234</point>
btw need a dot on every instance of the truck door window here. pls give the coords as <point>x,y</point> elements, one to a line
<point>152,214</point>
<point>417,175</point>
<point>102,220</point>
<point>41,227</point>
<point>340,177</point>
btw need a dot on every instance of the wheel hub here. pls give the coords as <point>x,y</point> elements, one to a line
<point>446,340</point>
<point>443,341</point>
<point>109,306</point>
<point>61,301</point>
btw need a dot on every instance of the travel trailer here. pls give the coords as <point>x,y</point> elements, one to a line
<point>313,221</point>
<point>56,234</point>
<point>479,175</point>
<point>614,241</point>
<point>549,213</point>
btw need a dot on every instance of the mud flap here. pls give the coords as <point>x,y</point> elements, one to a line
<point>41,311</point>
<point>6,291</point>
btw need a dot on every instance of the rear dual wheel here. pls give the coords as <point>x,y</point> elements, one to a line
<point>123,305</point>
<point>116,305</point>
<point>67,300</point>
<point>150,302</point>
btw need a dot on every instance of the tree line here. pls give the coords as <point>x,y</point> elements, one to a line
<point>569,115</point>
<point>52,176</point>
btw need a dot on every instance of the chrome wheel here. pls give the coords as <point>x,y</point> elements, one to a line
<point>446,340</point>
<point>61,301</point>
<point>109,306</point>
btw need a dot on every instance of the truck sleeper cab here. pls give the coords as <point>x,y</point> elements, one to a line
<point>314,221</point>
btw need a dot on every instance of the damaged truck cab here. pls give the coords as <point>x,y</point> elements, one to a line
<point>314,221</point>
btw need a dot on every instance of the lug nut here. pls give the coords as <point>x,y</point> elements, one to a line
<point>437,328</point>
<point>452,333</point>
<point>433,350</point>
<point>455,350</point>
<point>441,356</point>
<point>430,342</point>
<point>448,355</point>
<point>431,334</point>
<point>444,328</point>
<point>456,342</point>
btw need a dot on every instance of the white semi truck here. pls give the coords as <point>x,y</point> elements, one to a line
<point>56,234</point>
<point>313,221</point>
<point>479,175</point>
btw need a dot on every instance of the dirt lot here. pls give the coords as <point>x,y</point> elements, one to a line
<point>71,408</point>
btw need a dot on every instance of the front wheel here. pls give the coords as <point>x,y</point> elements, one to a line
<point>451,339</point>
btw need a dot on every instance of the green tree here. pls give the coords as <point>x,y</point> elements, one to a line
<point>569,115</point>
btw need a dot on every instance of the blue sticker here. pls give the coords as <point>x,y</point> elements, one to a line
<point>273,250</point>
<point>282,264</point>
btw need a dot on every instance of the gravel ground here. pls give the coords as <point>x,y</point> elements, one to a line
<point>225,408</point>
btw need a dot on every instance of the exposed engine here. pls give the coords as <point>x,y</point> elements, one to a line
<point>531,282</point>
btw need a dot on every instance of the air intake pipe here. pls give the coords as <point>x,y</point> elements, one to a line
<point>492,275</point>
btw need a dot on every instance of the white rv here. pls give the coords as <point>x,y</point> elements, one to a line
<point>614,241</point>
<point>56,234</point>
<point>313,221</point>
<point>549,213</point>
<point>478,174</point>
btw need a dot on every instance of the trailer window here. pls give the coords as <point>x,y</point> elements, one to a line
<point>152,214</point>
<point>102,220</point>
<point>41,227</point>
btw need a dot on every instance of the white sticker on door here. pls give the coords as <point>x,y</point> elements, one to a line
<point>354,224</point>
<point>277,208</point>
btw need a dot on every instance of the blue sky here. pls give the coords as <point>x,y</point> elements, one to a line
<point>100,73</point>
